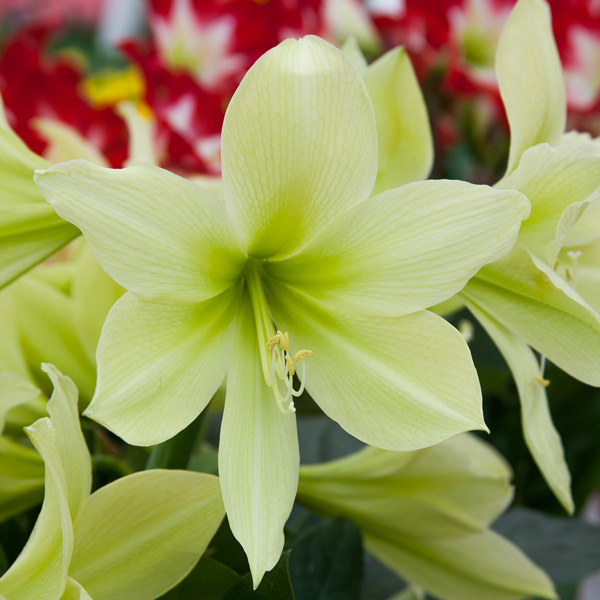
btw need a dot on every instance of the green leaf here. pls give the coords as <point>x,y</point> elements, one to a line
<point>275,585</point>
<point>327,563</point>
<point>3,561</point>
<point>209,580</point>
<point>567,549</point>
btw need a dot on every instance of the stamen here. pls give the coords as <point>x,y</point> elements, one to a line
<point>276,339</point>
<point>284,340</point>
<point>290,365</point>
<point>302,354</point>
<point>279,343</point>
<point>299,391</point>
<point>543,382</point>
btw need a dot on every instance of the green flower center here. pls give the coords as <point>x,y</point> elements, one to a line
<point>274,346</point>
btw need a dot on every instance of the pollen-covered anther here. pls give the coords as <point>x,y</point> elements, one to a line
<point>543,382</point>
<point>274,341</point>
<point>284,340</point>
<point>290,364</point>
<point>302,354</point>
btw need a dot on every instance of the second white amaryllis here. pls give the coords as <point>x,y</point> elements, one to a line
<point>296,260</point>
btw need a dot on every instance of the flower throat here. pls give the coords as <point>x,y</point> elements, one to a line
<point>274,346</point>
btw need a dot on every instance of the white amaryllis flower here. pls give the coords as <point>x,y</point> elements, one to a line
<point>297,259</point>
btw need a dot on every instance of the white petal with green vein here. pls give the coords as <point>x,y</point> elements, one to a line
<point>74,591</point>
<point>139,536</point>
<point>425,514</point>
<point>403,131</point>
<point>530,79</point>
<point>258,456</point>
<point>15,391</point>
<point>399,383</point>
<point>480,565</point>
<point>70,442</point>
<point>522,293</point>
<point>40,571</point>
<point>290,160</point>
<point>406,249</point>
<point>21,478</point>
<point>30,230</point>
<point>560,184</point>
<point>541,436</point>
<point>160,363</point>
<point>152,231</point>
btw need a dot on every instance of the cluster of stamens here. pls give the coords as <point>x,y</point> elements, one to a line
<point>283,367</point>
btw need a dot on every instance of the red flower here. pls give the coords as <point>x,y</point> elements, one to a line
<point>36,85</point>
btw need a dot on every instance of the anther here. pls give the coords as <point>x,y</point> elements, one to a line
<point>302,354</point>
<point>290,364</point>
<point>543,382</point>
<point>276,339</point>
<point>284,340</point>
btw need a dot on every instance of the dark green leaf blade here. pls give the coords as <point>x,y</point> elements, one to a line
<point>327,562</point>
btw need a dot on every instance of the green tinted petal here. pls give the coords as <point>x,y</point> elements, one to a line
<point>425,514</point>
<point>150,230</point>
<point>584,275</point>
<point>74,591</point>
<point>21,478</point>
<point>399,383</point>
<point>160,363</point>
<point>530,79</point>
<point>403,131</point>
<point>48,332</point>
<point>541,436</point>
<point>406,249</point>
<point>290,160</point>
<point>12,357</point>
<point>527,297</point>
<point>258,455</point>
<point>141,535</point>
<point>472,567</point>
<point>15,391</point>
<point>40,571</point>
<point>94,294</point>
<point>141,135</point>
<point>451,489</point>
<point>352,50</point>
<point>30,230</point>
<point>410,593</point>
<point>66,143</point>
<point>70,442</point>
<point>560,183</point>
<point>347,18</point>
<point>587,229</point>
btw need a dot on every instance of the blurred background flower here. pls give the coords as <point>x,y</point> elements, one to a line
<point>182,59</point>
